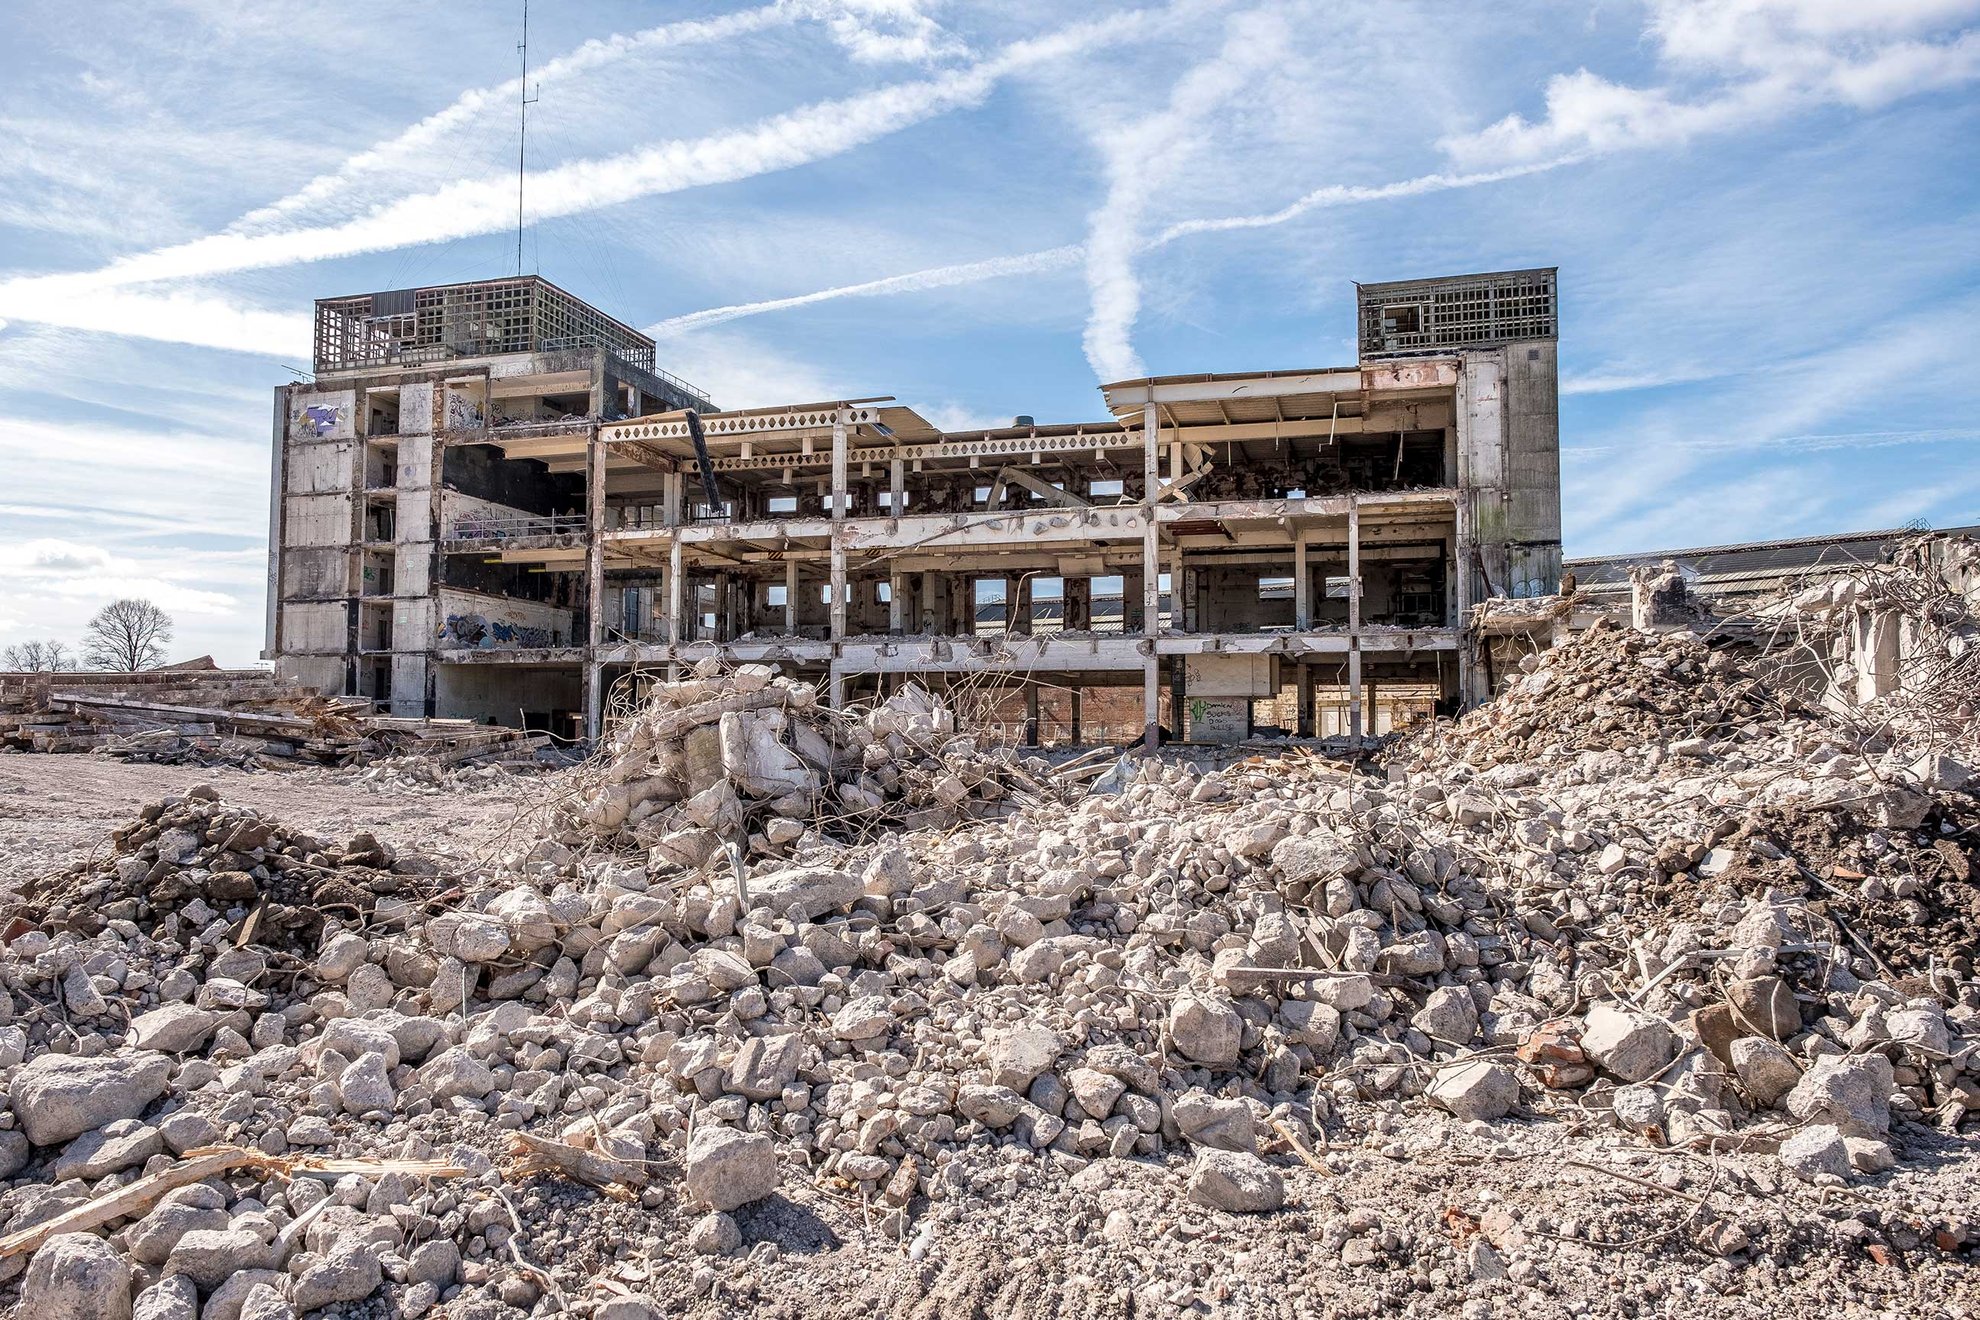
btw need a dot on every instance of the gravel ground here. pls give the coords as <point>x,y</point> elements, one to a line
<point>55,809</point>
<point>1416,1213</point>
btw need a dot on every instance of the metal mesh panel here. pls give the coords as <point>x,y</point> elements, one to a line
<point>1463,311</point>
<point>482,319</point>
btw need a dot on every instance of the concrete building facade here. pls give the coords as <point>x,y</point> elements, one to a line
<point>1223,554</point>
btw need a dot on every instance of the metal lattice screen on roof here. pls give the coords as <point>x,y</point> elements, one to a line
<point>489,317</point>
<point>1462,311</point>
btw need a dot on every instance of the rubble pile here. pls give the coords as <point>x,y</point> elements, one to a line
<point>1670,924</point>
<point>750,757</point>
<point>1892,647</point>
<point>225,870</point>
<point>1612,688</point>
<point>196,714</point>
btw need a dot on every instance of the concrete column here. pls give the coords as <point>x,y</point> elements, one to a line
<point>929,623</point>
<point>790,597</point>
<point>1179,593</point>
<point>594,585</point>
<point>1355,714</point>
<point>1078,734</point>
<point>894,485</point>
<point>838,474</point>
<point>670,499</point>
<point>838,588</point>
<point>1031,728</point>
<point>896,604</point>
<point>1303,678</point>
<point>1017,604</point>
<point>1368,704</point>
<point>1179,696</point>
<point>1151,561</point>
<point>837,692</point>
<point>675,592</point>
<point>1302,593</point>
<point>1151,703</point>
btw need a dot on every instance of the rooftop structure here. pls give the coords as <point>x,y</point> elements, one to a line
<point>483,319</point>
<point>1218,555</point>
<point>1408,317</point>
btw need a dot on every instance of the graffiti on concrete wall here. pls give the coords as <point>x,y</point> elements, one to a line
<point>478,632</point>
<point>319,419</point>
<point>463,413</point>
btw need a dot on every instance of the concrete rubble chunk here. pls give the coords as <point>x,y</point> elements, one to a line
<point>62,1096</point>
<point>1765,1069</point>
<point>812,891</point>
<point>77,1276</point>
<point>1236,1181</point>
<point>1764,1005</point>
<point>1215,1123</point>
<point>1816,1152</point>
<point>1206,1028</point>
<point>1850,1093</point>
<point>727,1168</point>
<point>173,1028</point>
<point>210,1256</point>
<point>1475,1089</point>
<point>1628,1045</point>
<point>1016,1055</point>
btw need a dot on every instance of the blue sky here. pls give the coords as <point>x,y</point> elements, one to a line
<point>1763,212</point>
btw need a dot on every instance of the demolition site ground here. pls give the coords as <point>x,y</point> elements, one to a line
<point>1646,990</point>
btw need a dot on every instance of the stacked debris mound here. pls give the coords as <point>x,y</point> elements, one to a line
<point>752,758</point>
<point>1214,975</point>
<point>195,859</point>
<point>196,714</point>
<point>1613,688</point>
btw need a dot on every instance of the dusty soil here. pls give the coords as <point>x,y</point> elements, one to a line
<point>56,809</point>
<point>1580,1221</point>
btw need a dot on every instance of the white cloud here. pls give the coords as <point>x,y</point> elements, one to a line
<point>419,141</point>
<point>935,277</point>
<point>487,205</point>
<point>1736,63</point>
<point>740,372</point>
<point>185,316</point>
<point>1139,159</point>
<point>873,31</point>
<point>1065,256</point>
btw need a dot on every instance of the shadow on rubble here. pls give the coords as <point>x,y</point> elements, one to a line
<point>1922,1147</point>
<point>796,1229</point>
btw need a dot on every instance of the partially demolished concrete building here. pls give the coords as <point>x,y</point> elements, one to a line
<point>503,514</point>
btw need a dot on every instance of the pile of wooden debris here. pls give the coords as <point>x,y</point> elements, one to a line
<point>197,713</point>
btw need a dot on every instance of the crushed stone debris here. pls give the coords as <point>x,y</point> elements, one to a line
<point>1644,989</point>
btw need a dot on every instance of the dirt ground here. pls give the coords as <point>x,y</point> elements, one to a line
<point>1412,1214</point>
<point>55,809</point>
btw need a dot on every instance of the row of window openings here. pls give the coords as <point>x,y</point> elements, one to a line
<point>787,504</point>
<point>991,591</point>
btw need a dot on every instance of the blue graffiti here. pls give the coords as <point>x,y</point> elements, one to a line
<point>479,633</point>
<point>321,419</point>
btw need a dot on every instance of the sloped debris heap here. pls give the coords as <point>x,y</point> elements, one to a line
<point>227,869</point>
<point>752,757</point>
<point>1616,689</point>
<point>1228,980</point>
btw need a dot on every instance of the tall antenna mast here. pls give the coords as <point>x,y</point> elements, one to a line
<point>523,102</point>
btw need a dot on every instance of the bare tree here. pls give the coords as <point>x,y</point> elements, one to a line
<point>127,635</point>
<point>49,657</point>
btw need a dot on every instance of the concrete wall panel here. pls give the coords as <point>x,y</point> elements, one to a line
<point>315,468</point>
<point>315,628</point>
<point>315,573</point>
<point>322,414</point>
<point>316,520</point>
